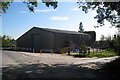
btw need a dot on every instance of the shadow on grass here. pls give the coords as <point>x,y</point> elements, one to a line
<point>51,72</point>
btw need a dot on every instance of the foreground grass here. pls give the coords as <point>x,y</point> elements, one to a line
<point>97,54</point>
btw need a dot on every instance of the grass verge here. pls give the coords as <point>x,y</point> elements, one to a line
<point>97,54</point>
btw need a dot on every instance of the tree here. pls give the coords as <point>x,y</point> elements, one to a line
<point>92,34</point>
<point>31,4</point>
<point>105,10</point>
<point>80,27</point>
<point>116,44</point>
<point>102,38</point>
<point>7,41</point>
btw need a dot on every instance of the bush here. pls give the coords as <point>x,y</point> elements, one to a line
<point>116,45</point>
<point>83,48</point>
<point>7,41</point>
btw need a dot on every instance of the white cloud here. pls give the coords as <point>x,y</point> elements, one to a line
<point>75,9</point>
<point>59,18</point>
<point>48,10</point>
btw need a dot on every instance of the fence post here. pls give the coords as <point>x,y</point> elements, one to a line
<point>93,49</point>
<point>97,50</point>
<point>88,50</point>
<point>40,52</point>
<point>62,51</point>
<point>27,49</point>
<point>68,51</point>
<point>51,52</point>
<point>33,50</point>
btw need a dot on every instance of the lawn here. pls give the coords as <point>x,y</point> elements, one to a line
<point>96,54</point>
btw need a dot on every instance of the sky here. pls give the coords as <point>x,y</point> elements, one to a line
<point>66,16</point>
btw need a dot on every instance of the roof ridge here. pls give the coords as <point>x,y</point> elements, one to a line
<point>60,31</point>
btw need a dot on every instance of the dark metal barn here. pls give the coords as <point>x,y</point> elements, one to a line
<point>44,38</point>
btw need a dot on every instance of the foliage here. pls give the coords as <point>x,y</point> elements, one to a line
<point>81,27</point>
<point>7,41</point>
<point>105,10</point>
<point>92,34</point>
<point>116,44</point>
<point>31,4</point>
<point>102,38</point>
<point>110,43</point>
<point>83,47</point>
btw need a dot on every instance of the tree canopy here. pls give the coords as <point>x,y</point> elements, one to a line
<point>7,41</point>
<point>105,10</point>
<point>31,4</point>
<point>80,27</point>
<point>92,34</point>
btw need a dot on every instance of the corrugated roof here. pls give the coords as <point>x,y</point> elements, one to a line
<point>61,31</point>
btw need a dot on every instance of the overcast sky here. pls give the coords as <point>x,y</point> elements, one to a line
<point>66,16</point>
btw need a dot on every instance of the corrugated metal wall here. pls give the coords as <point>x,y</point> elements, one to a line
<point>42,39</point>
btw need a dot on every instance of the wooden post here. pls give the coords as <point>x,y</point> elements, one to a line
<point>68,51</point>
<point>97,50</point>
<point>62,51</point>
<point>51,52</point>
<point>33,50</point>
<point>27,49</point>
<point>93,49</point>
<point>88,50</point>
<point>40,52</point>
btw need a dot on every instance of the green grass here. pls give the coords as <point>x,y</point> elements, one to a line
<point>98,54</point>
<point>102,54</point>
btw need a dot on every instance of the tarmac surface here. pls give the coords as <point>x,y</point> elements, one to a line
<point>17,65</point>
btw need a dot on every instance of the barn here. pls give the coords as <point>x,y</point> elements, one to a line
<point>47,39</point>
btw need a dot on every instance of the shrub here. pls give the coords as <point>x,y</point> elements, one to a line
<point>116,45</point>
